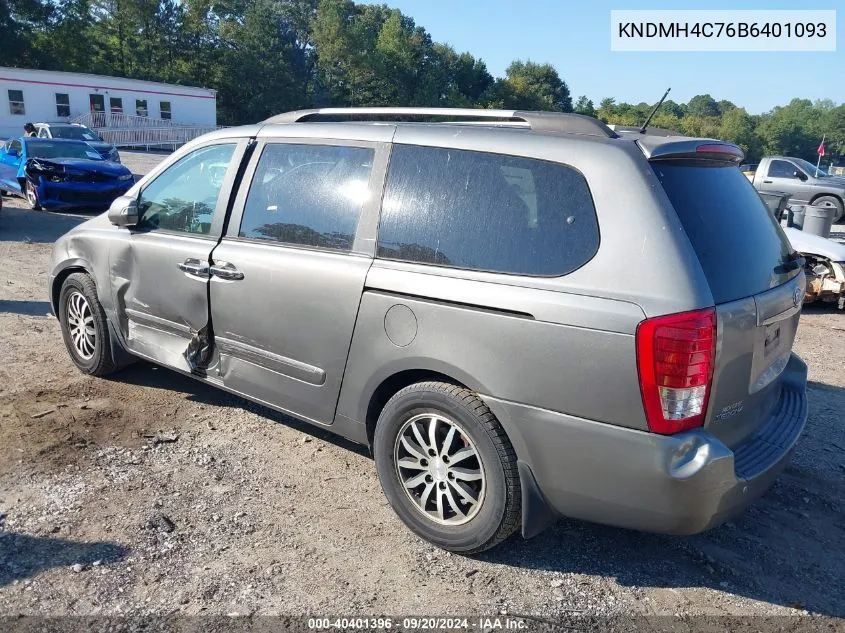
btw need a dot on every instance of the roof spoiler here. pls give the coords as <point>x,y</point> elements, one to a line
<point>536,121</point>
<point>691,149</point>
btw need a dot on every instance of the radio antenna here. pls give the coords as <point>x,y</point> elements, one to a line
<point>653,112</point>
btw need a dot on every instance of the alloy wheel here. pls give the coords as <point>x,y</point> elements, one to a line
<point>80,324</point>
<point>440,469</point>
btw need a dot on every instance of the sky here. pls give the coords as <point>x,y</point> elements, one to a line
<point>574,36</point>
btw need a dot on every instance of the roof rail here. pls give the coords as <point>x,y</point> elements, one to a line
<point>536,121</point>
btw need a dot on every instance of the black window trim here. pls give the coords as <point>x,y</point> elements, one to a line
<point>364,239</point>
<point>484,271</point>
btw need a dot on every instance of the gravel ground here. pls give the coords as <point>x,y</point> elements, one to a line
<point>150,493</point>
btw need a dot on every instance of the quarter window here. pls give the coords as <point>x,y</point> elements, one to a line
<point>782,169</point>
<point>183,197</point>
<point>308,195</point>
<point>62,104</point>
<point>484,211</point>
<point>16,102</point>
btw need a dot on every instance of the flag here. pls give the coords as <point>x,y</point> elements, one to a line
<point>820,150</point>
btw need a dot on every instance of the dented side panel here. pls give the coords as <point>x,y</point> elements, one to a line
<point>161,308</point>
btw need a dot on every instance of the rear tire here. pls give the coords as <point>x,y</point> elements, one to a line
<point>84,326</point>
<point>467,496</point>
<point>830,201</point>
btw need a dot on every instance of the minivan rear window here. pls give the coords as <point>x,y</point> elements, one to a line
<point>737,240</point>
<point>484,211</point>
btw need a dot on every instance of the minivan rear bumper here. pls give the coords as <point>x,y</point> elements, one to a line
<point>680,484</point>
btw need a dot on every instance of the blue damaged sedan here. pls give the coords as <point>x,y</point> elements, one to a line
<point>60,174</point>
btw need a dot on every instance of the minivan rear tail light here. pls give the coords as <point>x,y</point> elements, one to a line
<point>675,358</point>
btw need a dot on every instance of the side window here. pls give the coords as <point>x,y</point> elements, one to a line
<point>485,211</point>
<point>42,133</point>
<point>782,169</point>
<point>62,104</point>
<point>184,196</point>
<point>308,195</point>
<point>16,105</point>
<point>16,146</point>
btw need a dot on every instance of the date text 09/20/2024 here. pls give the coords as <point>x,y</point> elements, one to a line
<point>420,623</point>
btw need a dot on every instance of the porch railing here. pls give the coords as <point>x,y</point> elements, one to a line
<point>127,130</point>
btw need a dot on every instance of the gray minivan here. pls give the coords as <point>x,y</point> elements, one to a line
<point>524,314</point>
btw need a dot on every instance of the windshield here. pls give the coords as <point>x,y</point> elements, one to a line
<point>78,132</point>
<point>809,167</point>
<point>61,149</point>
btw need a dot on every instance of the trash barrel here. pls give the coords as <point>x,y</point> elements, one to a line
<point>795,217</point>
<point>776,202</point>
<point>818,220</point>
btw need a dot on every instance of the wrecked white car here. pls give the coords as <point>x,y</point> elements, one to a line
<point>824,267</point>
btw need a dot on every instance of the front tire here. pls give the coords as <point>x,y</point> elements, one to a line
<point>447,467</point>
<point>31,194</point>
<point>831,202</point>
<point>84,326</point>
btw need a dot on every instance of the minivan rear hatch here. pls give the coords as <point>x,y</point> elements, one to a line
<point>755,277</point>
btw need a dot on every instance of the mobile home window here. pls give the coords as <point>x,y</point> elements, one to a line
<point>164,108</point>
<point>16,102</point>
<point>62,104</point>
<point>141,107</point>
<point>116,105</point>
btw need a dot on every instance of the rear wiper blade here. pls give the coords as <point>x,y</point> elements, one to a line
<point>792,261</point>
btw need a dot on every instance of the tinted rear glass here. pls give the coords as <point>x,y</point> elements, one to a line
<point>738,242</point>
<point>485,211</point>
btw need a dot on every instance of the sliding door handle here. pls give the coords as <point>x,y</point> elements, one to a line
<point>227,271</point>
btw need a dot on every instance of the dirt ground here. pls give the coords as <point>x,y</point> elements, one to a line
<point>150,493</point>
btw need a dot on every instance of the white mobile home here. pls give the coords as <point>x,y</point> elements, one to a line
<point>47,95</point>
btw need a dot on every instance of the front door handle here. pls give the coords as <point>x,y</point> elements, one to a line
<point>225,270</point>
<point>194,267</point>
<point>768,182</point>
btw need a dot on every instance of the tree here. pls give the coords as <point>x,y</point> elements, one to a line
<point>531,86</point>
<point>794,129</point>
<point>703,105</point>
<point>724,106</point>
<point>584,106</point>
<point>266,56</point>
<point>265,70</point>
<point>737,126</point>
<point>674,109</point>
